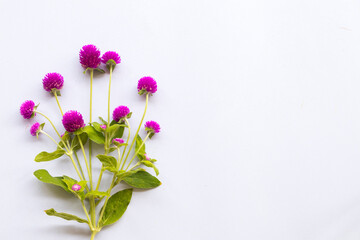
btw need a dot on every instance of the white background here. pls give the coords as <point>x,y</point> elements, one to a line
<point>258,103</point>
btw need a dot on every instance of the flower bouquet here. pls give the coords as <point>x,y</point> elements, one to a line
<point>101,207</point>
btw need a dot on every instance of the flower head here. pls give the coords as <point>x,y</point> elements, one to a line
<point>76,187</point>
<point>146,157</point>
<point>103,126</point>
<point>118,140</point>
<point>27,109</point>
<point>89,56</point>
<point>110,55</point>
<point>152,127</point>
<point>73,121</point>
<point>120,112</point>
<point>35,129</point>
<point>53,81</point>
<point>147,85</point>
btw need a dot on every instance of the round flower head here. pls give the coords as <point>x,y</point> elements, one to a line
<point>110,55</point>
<point>53,81</point>
<point>89,56</point>
<point>152,127</point>
<point>73,121</point>
<point>76,187</point>
<point>35,128</point>
<point>147,157</point>
<point>27,109</point>
<point>147,85</point>
<point>118,140</point>
<point>120,112</point>
<point>103,126</point>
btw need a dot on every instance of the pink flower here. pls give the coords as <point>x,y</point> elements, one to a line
<point>120,112</point>
<point>73,121</point>
<point>118,140</point>
<point>76,187</point>
<point>27,109</point>
<point>152,126</point>
<point>110,55</point>
<point>35,128</point>
<point>53,81</point>
<point>103,126</point>
<point>89,56</point>
<point>147,85</point>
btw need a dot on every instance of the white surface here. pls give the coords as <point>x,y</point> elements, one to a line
<point>258,101</point>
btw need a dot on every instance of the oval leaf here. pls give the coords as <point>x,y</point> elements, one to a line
<point>142,179</point>
<point>75,145</point>
<point>45,156</point>
<point>66,216</point>
<point>94,135</point>
<point>45,177</point>
<point>116,206</point>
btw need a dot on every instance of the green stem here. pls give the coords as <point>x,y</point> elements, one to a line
<point>50,123</point>
<point>99,180</point>
<point>93,235</point>
<point>142,119</point>
<point>76,168</point>
<point>127,142</point>
<point>132,159</point>
<point>87,214</point>
<point>51,139</point>
<point>86,161</point>
<point>119,157</point>
<point>77,160</point>
<point>58,103</point>
<point>109,96</point>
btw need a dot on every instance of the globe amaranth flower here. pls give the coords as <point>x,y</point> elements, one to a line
<point>152,127</point>
<point>35,129</point>
<point>53,81</point>
<point>146,157</point>
<point>76,187</point>
<point>120,113</point>
<point>89,56</point>
<point>118,140</point>
<point>110,55</point>
<point>103,126</point>
<point>73,121</point>
<point>27,109</point>
<point>147,85</point>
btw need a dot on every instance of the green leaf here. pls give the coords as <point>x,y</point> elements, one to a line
<point>150,164</point>
<point>109,162</point>
<point>45,177</point>
<point>103,121</point>
<point>116,207</point>
<point>94,135</point>
<point>141,152</point>
<point>75,145</point>
<point>70,182</point>
<point>99,70</point>
<point>66,216</point>
<point>116,130</point>
<point>45,156</point>
<point>142,179</point>
<point>97,127</point>
<point>96,194</point>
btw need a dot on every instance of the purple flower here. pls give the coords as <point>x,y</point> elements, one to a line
<point>118,140</point>
<point>53,80</point>
<point>120,112</point>
<point>152,126</point>
<point>103,126</point>
<point>76,187</point>
<point>147,84</point>
<point>89,56</point>
<point>34,129</point>
<point>110,55</point>
<point>73,121</point>
<point>146,157</point>
<point>27,109</point>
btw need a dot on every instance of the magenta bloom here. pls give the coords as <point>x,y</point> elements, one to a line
<point>103,126</point>
<point>110,55</point>
<point>34,128</point>
<point>27,109</point>
<point>146,157</point>
<point>76,187</point>
<point>120,112</point>
<point>119,140</point>
<point>147,84</point>
<point>89,56</point>
<point>73,121</point>
<point>53,81</point>
<point>152,126</point>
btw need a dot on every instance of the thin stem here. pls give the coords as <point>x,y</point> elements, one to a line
<point>58,103</point>
<point>127,142</point>
<point>91,87</point>
<point>99,180</point>
<point>142,119</point>
<point>81,170</point>
<point>76,168</point>
<point>119,157</point>
<point>132,159</point>
<point>86,162</point>
<point>106,201</point>
<point>87,215</point>
<point>93,235</point>
<point>51,138</point>
<point>109,96</point>
<point>50,123</point>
